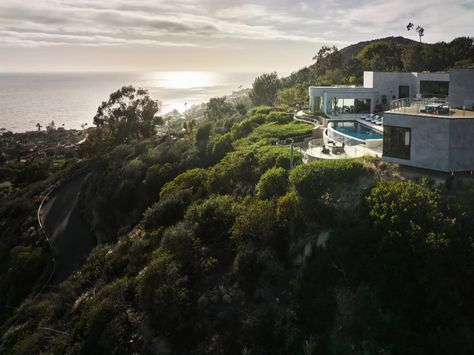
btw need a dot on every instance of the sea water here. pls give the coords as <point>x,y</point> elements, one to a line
<point>71,99</point>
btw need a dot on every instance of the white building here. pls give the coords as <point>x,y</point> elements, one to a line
<point>379,90</point>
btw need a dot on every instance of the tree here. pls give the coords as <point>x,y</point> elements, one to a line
<point>128,114</point>
<point>218,107</point>
<point>412,58</point>
<point>264,89</point>
<point>51,127</point>
<point>381,56</point>
<point>328,58</point>
<point>461,49</point>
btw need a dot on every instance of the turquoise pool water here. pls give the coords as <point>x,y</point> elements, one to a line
<point>356,130</point>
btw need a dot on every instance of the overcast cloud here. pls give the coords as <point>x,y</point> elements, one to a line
<point>37,31</point>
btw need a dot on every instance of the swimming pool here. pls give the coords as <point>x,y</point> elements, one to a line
<point>356,130</point>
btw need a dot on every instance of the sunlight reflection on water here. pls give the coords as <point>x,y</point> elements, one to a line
<point>72,98</point>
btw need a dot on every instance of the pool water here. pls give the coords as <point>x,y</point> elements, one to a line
<point>356,130</point>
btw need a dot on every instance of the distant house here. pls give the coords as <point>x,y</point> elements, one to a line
<point>428,118</point>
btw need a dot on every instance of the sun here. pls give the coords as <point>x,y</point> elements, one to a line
<point>184,79</point>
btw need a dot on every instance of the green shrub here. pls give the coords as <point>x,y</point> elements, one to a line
<point>194,179</point>
<point>25,264</point>
<point>273,183</point>
<point>221,145</point>
<point>180,242</point>
<point>398,205</point>
<point>242,129</point>
<point>280,117</point>
<point>272,132</point>
<point>156,176</point>
<point>313,179</point>
<point>168,210</point>
<point>103,326</point>
<point>258,118</point>
<point>261,109</point>
<point>214,217</point>
<point>256,224</point>
<point>236,168</point>
<point>163,292</point>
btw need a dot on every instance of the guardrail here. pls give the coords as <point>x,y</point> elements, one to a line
<point>355,147</point>
<point>307,119</point>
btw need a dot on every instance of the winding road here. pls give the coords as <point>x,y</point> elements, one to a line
<point>68,232</point>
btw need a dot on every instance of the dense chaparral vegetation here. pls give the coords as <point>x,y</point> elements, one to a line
<point>209,244</point>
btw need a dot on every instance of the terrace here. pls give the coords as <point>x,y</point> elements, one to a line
<point>432,107</point>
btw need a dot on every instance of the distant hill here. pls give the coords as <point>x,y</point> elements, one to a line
<point>354,49</point>
<point>397,54</point>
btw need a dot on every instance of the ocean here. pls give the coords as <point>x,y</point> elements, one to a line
<point>71,99</point>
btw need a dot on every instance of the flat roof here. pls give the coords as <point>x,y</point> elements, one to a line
<point>453,113</point>
<point>343,89</point>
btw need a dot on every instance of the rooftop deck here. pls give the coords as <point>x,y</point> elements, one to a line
<point>433,108</point>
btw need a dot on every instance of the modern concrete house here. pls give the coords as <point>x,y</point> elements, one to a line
<point>434,134</point>
<point>431,141</point>
<point>379,90</point>
<point>428,119</point>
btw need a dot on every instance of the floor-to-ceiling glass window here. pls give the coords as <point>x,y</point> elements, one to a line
<point>396,142</point>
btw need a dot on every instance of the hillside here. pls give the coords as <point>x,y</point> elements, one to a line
<point>333,66</point>
<point>210,244</point>
<point>353,50</point>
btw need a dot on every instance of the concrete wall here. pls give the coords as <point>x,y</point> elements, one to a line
<point>436,143</point>
<point>388,83</point>
<point>461,145</point>
<point>429,140</point>
<point>461,88</point>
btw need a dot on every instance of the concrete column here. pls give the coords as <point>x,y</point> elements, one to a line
<point>325,98</point>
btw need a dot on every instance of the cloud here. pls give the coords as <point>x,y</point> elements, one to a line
<point>189,23</point>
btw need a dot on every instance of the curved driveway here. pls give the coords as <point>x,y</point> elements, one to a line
<point>69,233</point>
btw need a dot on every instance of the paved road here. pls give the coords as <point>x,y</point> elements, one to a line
<point>69,233</point>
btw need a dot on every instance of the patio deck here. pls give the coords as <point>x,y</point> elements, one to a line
<point>315,151</point>
<point>415,110</point>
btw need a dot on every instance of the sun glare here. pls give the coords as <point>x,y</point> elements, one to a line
<point>183,79</point>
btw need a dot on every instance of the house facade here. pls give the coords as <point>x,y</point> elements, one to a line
<point>434,135</point>
<point>428,118</point>
<point>378,91</point>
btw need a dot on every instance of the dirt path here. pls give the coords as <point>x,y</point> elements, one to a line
<point>69,233</point>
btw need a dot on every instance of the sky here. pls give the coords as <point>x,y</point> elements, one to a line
<point>207,35</point>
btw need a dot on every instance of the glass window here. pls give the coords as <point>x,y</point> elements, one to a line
<point>396,142</point>
<point>434,88</point>
<point>403,91</point>
<point>362,106</point>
